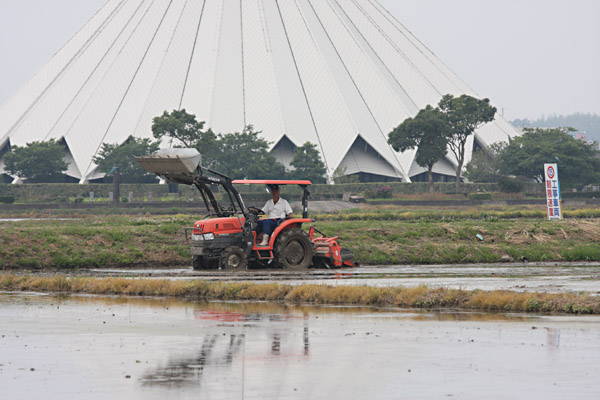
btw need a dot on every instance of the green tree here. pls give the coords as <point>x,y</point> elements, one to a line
<point>308,165</point>
<point>426,132</point>
<point>464,115</point>
<point>115,155</point>
<point>525,156</point>
<point>485,164</point>
<point>184,128</point>
<point>37,161</point>
<point>245,155</point>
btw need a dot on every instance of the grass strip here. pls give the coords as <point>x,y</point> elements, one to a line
<point>142,241</point>
<point>418,297</point>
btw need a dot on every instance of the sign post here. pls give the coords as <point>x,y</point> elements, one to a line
<point>553,197</point>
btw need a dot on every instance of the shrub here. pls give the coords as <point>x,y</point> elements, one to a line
<point>581,195</point>
<point>7,199</point>
<point>383,193</point>
<point>509,184</point>
<point>368,194</point>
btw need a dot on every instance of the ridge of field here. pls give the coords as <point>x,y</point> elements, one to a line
<point>379,236</point>
<point>417,297</point>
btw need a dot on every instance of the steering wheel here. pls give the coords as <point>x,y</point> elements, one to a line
<point>226,209</point>
<point>256,211</point>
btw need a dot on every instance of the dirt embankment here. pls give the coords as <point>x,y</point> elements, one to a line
<point>383,238</point>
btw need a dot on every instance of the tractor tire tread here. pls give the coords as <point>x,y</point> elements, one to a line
<point>203,263</point>
<point>230,251</point>
<point>282,242</point>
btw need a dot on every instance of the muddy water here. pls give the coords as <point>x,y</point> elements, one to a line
<point>129,348</point>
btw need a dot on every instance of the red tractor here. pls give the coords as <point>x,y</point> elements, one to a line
<point>227,237</point>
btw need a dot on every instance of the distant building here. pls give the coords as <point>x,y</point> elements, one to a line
<point>340,74</point>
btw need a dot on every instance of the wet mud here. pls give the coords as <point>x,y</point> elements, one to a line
<point>129,348</point>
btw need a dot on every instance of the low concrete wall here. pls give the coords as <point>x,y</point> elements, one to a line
<point>39,192</point>
<point>320,206</point>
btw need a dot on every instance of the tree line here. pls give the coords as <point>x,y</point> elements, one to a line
<point>522,160</point>
<point>238,155</point>
<point>433,132</point>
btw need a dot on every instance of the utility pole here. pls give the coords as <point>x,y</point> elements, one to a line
<point>116,184</point>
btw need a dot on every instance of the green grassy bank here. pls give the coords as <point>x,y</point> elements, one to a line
<point>94,241</point>
<point>456,241</point>
<point>386,236</point>
<point>419,297</point>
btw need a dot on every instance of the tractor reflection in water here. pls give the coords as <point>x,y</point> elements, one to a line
<point>221,350</point>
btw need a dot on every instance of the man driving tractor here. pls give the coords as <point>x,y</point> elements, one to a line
<point>277,209</point>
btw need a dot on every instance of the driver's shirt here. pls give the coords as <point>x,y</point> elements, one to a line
<point>279,210</point>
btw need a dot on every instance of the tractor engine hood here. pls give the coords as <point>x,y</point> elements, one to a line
<point>220,226</point>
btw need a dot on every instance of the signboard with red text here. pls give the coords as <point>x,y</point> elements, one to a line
<point>552,186</point>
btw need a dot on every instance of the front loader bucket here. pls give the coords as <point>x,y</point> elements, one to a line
<point>177,165</point>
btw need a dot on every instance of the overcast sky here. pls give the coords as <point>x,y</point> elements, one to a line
<point>530,57</point>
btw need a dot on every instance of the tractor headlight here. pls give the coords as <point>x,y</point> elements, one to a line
<point>202,237</point>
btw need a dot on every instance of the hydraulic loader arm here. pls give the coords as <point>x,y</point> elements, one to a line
<point>183,166</point>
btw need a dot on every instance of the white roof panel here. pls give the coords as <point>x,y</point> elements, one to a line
<point>20,105</point>
<point>262,102</point>
<point>363,158</point>
<point>168,86</point>
<point>331,72</point>
<point>442,167</point>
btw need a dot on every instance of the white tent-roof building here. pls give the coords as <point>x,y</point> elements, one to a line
<point>338,73</point>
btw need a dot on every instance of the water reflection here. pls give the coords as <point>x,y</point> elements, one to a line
<point>219,351</point>
<point>189,370</point>
<point>225,353</point>
<point>223,313</point>
<point>159,348</point>
<point>470,316</point>
<point>251,312</point>
<point>553,341</point>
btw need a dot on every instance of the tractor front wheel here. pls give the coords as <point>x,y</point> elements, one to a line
<point>233,258</point>
<point>200,262</point>
<point>197,263</point>
<point>293,249</point>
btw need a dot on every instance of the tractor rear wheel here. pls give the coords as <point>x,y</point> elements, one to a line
<point>234,258</point>
<point>293,249</point>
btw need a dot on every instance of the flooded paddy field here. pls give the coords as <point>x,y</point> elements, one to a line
<point>152,348</point>
<point>549,277</point>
